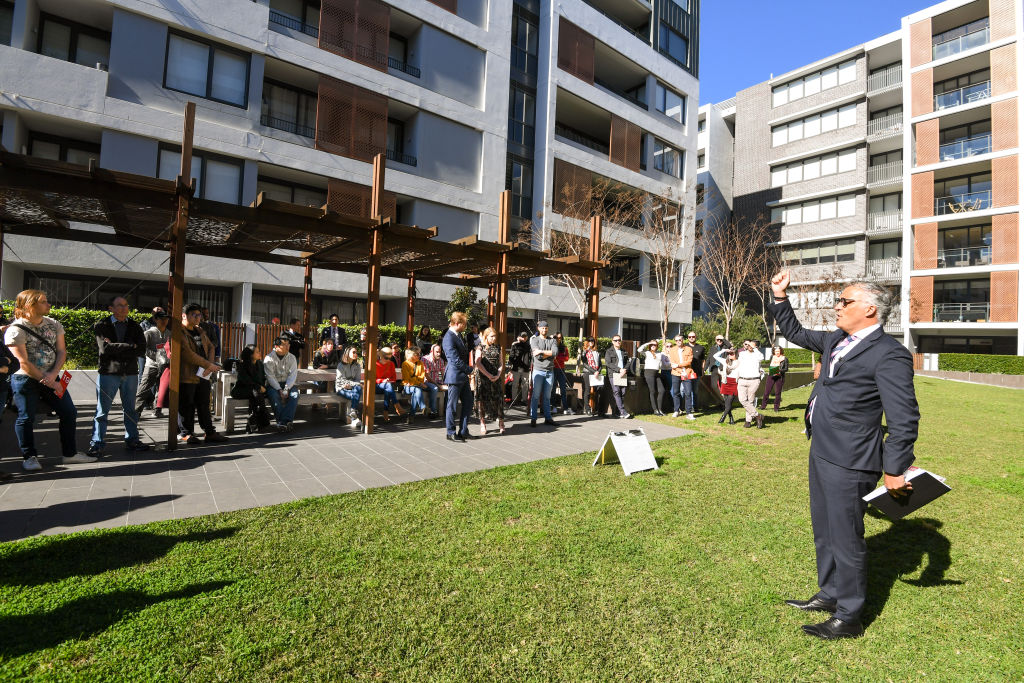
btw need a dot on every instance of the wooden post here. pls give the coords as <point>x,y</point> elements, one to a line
<point>491,290</point>
<point>410,318</point>
<point>2,255</point>
<point>307,300</point>
<point>501,283</point>
<point>177,276</point>
<point>594,290</point>
<point>373,297</point>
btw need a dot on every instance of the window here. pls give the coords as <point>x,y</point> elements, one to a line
<point>520,181</point>
<point>886,157</point>
<point>698,229</point>
<point>815,124</point>
<point>288,109</point>
<point>667,158</point>
<point>670,103</point>
<point>267,305</point>
<point>634,330</point>
<point>701,125</point>
<point>673,45</point>
<point>6,20</point>
<point>814,167</point>
<point>71,41</point>
<point>299,15</point>
<point>885,249</point>
<point>813,253</point>
<point>283,191</point>
<point>521,116</point>
<point>826,208</point>
<point>206,70</point>
<point>62,149</point>
<point>700,193</point>
<point>524,42</point>
<point>396,136</point>
<point>217,178</point>
<point>814,83</point>
<point>972,78</point>
<point>673,277</point>
<point>973,192</point>
<point>684,4</point>
<point>701,160</point>
<point>623,272</point>
<point>962,291</point>
<point>886,202</point>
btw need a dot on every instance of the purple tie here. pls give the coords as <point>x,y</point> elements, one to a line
<point>839,347</point>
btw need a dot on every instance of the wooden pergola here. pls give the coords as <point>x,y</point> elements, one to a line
<point>43,198</point>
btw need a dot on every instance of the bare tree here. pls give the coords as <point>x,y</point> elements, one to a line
<point>736,262</point>
<point>670,248</point>
<point>815,293</point>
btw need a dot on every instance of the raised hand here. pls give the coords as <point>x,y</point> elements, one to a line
<point>780,281</point>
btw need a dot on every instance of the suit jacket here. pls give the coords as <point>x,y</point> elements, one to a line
<point>337,336</point>
<point>119,358</point>
<point>699,357</point>
<point>875,377</point>
<point>584,367</point>
<point>457,355</point>
<point>611,361</point>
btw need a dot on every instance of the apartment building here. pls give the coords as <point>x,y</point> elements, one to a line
<point>898,160</point>
<point>295,97</point>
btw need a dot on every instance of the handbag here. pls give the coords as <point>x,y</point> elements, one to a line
<point>65,376</point>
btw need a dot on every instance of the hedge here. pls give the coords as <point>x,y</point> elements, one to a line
<point>801,355</point>
<point>979,362</point>
<point>79,338</point>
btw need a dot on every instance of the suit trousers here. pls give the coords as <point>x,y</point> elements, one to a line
<point>521,386</point>
<point>837,518</point>
<point>458,392</point>
<point>747,391</point>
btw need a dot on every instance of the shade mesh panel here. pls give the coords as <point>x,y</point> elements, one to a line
<point>355,199</point>
<point>926,244</point>
<point>921,296</point>
<point>350,121</point>
<point>1005,238</point>
<point>570,190</point>
<point>1004,297</point>
<point>624,143</point>
<point>575,50</point>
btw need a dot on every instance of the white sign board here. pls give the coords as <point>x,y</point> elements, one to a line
<point>630,449</point>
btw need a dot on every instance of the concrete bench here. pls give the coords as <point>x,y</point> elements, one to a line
<point>231,405</point>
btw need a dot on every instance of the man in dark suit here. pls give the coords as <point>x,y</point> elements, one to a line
<point>699,357</point>
<point>335,333</point>
<point>456,376</point>
<point>616,360</point>
<point>864,374</point>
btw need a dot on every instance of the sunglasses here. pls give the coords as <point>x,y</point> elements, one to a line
<point>845,302</point>
<point>616,340</point>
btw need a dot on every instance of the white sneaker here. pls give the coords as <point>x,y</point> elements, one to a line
<point>568,411</point>
<point>78,458</point>
<point>31,464</point>
<point>689,416</point>
<point>356,423</point>
<point>675,414</point>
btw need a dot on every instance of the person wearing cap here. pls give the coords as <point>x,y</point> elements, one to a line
<point>156,336</point>
<point>543,349</point>
<point>519,362</point>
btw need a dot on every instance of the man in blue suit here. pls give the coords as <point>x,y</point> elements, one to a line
<point>456,376</point>
<point>864,373</point>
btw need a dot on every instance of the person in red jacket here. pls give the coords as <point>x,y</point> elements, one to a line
<point>387,380</point>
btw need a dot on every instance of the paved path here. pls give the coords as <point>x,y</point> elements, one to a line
<point>319,458</point>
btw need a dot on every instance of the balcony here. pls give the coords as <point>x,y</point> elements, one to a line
<point>624,94</point>
<point>883,223</point>
<point>961,203</point>
<point>399,65</point>
<point>947,47</point>
<point>894,323</point>
<point>885,80</point>
<point>885,127</point>
<point>394,155</point>
<point>885,269</point>
<point>961,313</point>
<point>634,17</point>
<point>287,126</point>
<point>581,138</point>
<point>965,95</point>
<point>965,256</point>
<point>294,24</point>
<point>885,174</point>
<point>968,147</point>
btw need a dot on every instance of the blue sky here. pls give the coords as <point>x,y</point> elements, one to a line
<point>743,42</point>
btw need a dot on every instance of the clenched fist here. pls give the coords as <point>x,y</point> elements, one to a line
<point>779,283</point>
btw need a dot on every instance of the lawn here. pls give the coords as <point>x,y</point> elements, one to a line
<point>552,570</point>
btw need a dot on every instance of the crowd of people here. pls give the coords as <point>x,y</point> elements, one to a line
<point>462,375</point>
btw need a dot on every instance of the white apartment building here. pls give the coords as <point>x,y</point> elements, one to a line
<point>294,97</point>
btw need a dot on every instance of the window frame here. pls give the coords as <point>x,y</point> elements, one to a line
<point>527,128</point>
<point>290,185</point>
<point>530,59</point>
<point>76,29</point>
<point>212,47</point>
<point>64,143</point>
<point>7,5</point>
<point>518,199</point>
<point>661,106</point>
<point>298,104</point>
<point>665,30</point>
<point>205,156</point>
<point>820,76</point>
<point>665,147</point>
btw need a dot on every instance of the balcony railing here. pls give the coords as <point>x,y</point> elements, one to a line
<point>886,126</point>
<point>959,44</point>
<point>399,65</point>
<point>961,313</point>
<point>965,256</point>
<point>401,158</point>
<point>289,126</point>
<point>965,95</point>
<point>960,203</point>
<point>968,147</point>
<point>885,173</point>
<point>624,95</point>
<point>886,79</point>
<point>885,268</point>
<point>293,23</point>
<point>885,223</point>
<point>894,323</point>
<point>580,138</point>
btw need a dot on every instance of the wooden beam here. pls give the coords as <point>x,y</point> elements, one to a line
<point>410,306</point>
<point>594,290</point>
<point>177,271</point>
<point>307,301</point>
<point>373,297</point>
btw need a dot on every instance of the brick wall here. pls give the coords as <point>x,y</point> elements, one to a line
<point>1004,69</point>
<point>927,142</point>
<point>751,178</point>
<point>922,93</point>
<point>1004,297</point>
<point>809,145</point>
<point>1004,125</point>
<point>819,99</point>
<point>1005,238</point>
<point>1004,181</point>
<point>921,42</point>
<point>926,244</point>
<point>922,195</point>
<point>1001,19</point>
<point>922,294</point>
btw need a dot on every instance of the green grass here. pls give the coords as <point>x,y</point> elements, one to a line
<point>549,571</point>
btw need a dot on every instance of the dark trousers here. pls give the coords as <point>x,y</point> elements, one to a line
<point>772,384</point>
<point>675,391</point>
<point>688,389</point>
<point>149,382</point>
<point>837,518</point>
<point>563,387</point>
<point>194,399</point>
<point>521,386</point>
<point>460,392</point>
<point>682,393</point>
<point>655,388</point>
<point>618,395</point>
<point>27,395</point>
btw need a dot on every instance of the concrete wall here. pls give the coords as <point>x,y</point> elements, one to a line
<point>449,65</point>
<point>446,151</point>
<point>128,153</point>
<point>452,223</point>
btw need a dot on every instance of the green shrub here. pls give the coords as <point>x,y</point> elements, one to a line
<point>79,338</point>
<point>979,362</point>
<point>800,355</point>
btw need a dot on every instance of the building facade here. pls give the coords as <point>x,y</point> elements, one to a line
<point>295,97</point>
<point>898,160</point>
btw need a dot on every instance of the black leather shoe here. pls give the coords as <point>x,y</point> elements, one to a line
<point>550,422</point>
<point>834,629</point>
<point>815,604</point>
<point>533,423</point>
<point>451,437</point>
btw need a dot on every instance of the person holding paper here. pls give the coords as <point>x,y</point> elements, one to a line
<point>865,373</point>
<point>615,360</point>
<point>590,367</point>
<point>193,383</point>
<point>37,342</point>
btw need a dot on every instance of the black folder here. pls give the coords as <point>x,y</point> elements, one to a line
<point>927,487</point>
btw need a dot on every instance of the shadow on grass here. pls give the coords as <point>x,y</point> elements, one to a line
<point>899,551</point>
<point>62,557</point>
<point>83,618</point>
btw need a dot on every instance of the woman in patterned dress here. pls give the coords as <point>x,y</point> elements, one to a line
<point>490,385</point>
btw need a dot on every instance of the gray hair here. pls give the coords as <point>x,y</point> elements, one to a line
<point>878,296</point>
